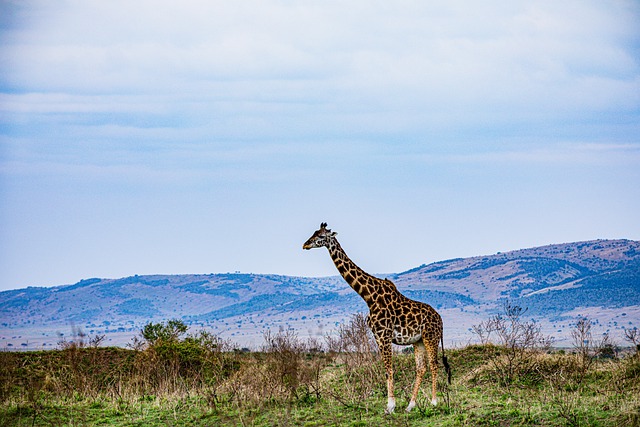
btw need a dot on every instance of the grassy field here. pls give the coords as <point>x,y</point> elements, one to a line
<point>200,381</point>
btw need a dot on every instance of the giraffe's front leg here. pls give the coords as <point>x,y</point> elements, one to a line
<point>386,354</point>
<point>391,401</point>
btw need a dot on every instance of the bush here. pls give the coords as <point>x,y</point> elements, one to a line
<point>169,332</point>
<point>288,369</point>
<point>171,364</point>
<point>355,349</point>
<point>518,341</point>
<point>632,335</point>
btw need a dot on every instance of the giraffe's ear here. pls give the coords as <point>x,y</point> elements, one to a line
<point>334,233</point>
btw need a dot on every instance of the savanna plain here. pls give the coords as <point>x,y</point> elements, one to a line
<point>167,377</point>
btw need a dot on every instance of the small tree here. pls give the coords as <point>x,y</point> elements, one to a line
<point>607,348</point>
<point>584,345</point>
<point>633,336</point>
<point>518,340</point>
<point>169,332</point>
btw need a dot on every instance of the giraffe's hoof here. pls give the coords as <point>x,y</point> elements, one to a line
<point>434,401</point>
<point>412,404</point>
<point>391,405</point>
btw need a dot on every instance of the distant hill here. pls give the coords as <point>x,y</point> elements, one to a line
<point>557,283</point>
<point>549,280</point>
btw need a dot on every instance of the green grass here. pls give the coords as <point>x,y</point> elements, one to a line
<point>474,408</point>
<point>119,387</point>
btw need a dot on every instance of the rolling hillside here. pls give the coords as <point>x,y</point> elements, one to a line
<point>549,280</point>
<point>557,283</point>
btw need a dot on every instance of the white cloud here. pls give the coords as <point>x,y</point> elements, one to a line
<point>403,55</point>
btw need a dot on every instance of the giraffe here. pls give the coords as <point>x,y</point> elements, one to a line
<point>393,318</point>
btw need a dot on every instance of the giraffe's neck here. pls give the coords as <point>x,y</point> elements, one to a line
<point>356,277</point>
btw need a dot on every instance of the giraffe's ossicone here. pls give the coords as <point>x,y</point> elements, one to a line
<point>393,318</point>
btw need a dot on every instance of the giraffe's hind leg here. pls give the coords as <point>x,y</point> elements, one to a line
<point>420,353</point>
<point>432,354</point>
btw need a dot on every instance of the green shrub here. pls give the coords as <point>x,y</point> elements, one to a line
<point>171,331</point>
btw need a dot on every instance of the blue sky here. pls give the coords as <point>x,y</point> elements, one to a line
<point>207,136</point>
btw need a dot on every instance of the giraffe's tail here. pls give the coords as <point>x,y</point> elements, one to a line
<point>445,362</point>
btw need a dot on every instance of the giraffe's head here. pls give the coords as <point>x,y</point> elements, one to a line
<point>320,238</point>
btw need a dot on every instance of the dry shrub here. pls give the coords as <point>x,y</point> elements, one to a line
<point>627,375</point>
<point>287,369</point>
<point>594,363</point>
<point>585,347</point>
<point>252,384</point>
<point>74,372</point>
<point>540,367</point>
<point>565,396</point>
<point>362,374</point>
<point>632,335</point>
<point>517,344</point>
<point>284,360</point>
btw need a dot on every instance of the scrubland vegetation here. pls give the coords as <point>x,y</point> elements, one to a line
<point>169,377</point>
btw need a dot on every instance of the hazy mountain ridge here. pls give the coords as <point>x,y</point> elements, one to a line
<point>530,272</point>
<point>552,281</point>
